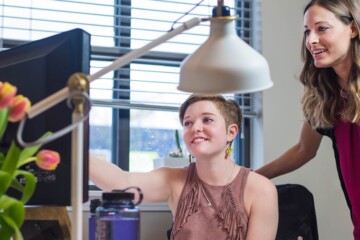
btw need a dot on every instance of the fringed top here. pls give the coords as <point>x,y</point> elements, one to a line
<point>226,218</point>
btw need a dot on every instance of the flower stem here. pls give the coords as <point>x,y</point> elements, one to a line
<point>28,160</point>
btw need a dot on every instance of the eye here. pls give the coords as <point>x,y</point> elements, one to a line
<point>322,28</point>
<point>186,123</point>
<point>207,120</point>
<point>306,32</point>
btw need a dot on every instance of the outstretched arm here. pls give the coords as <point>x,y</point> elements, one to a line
<point>155,185</point>
<point>296,156</point>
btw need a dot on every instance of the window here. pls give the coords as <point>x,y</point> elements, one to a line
<point>134,114</point>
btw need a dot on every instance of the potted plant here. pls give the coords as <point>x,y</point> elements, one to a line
<point>12,210</point>
<point>179,152</point>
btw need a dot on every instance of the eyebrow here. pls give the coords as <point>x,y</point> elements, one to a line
<point>202,114</point>
<point>317,23</point>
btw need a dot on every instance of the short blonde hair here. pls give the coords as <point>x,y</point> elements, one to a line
<point>228,108</point>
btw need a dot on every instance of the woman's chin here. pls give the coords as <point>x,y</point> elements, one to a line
<point>319,64</point>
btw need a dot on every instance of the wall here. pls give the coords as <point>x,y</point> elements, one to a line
<point>282,121</point>
<point>282,116</point>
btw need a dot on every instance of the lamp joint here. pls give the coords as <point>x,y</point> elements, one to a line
<point>78,85</point>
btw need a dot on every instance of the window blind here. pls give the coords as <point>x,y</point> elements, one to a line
<point>134,107</point>
<point>117,27</point>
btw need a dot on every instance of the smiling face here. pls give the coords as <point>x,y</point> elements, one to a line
<point>205,132</point>
<point>327,38</point>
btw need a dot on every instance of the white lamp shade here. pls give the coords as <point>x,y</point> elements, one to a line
<point>224,64</point>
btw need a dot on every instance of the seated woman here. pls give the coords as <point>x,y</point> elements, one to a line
<point>213,198</point>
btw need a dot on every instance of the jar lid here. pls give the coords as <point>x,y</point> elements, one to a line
<point>94,203</point>
<point>118,195</point>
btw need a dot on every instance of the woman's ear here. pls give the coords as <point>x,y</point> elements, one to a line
<point>354,29</point>
<point>232,131</point>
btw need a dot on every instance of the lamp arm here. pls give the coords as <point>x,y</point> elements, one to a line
<point>62,94</point>
<point>121,61</point>
<point>59,133</point>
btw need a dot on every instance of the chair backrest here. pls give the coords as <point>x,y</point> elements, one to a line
<point>297,217</point>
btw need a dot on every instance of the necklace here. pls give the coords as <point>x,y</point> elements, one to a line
<point>344,93</point>
<point>209,203</point>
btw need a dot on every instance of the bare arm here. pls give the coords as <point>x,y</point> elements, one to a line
<point>261,196</point>
<point>296,156</point>
<point>155,185</point>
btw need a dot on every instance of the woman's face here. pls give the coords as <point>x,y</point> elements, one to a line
<point>205,133</point>
<point>327,38</point>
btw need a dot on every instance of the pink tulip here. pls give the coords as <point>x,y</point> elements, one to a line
<point>18,108</point>
<point>47,159</point>
<point>7,93</point>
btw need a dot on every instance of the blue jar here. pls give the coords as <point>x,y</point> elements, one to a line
<point>94,204</point>
<point>118,217</point>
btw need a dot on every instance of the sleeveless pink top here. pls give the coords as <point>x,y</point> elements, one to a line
<point>226,218</point>
<point>346,137</point>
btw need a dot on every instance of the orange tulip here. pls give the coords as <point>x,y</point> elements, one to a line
<point>18,108</point>
<point>47,159</point>
<point>7,94</point>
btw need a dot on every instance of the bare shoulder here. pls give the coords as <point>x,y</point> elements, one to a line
<point>259,189</point>
<point>258,184</point>
<point>261,204</point>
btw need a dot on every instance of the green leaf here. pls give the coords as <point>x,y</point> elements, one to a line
<point>4,113</point>
<point>2,158</point>
<point>11,159</point>
<point>12,213</point>
<point>17,185</point>
<point>29,185</point>
<point>10,228</point>
<point>178,141</point>
<point>5,180</point>
<point>14,208</point>
<point>6,231</point>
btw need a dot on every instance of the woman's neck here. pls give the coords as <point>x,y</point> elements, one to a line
<point>217,173</point>
<point>343,82</point>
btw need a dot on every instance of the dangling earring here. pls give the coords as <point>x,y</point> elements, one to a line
<point>228,151</point>
<point>190,158</point>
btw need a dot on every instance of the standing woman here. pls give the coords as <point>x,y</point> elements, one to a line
<point>213,198</point>
<point>331,100</point>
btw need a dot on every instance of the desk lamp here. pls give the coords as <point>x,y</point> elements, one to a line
<point>223,64</point>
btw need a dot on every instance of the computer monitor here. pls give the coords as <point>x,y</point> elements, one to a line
<point>38,69</point>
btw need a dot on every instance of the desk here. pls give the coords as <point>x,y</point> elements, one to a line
<point>42,222</point>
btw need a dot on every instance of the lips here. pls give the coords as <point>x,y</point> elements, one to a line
<point>198,140</point>
<point>318,51</point>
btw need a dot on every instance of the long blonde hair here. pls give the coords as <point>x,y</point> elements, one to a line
<point>321,100</point>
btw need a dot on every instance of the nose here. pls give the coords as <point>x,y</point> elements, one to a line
<point>312,38</point>
<point>196,127</point>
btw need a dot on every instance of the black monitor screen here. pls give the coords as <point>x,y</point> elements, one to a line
<point>39,69</point>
